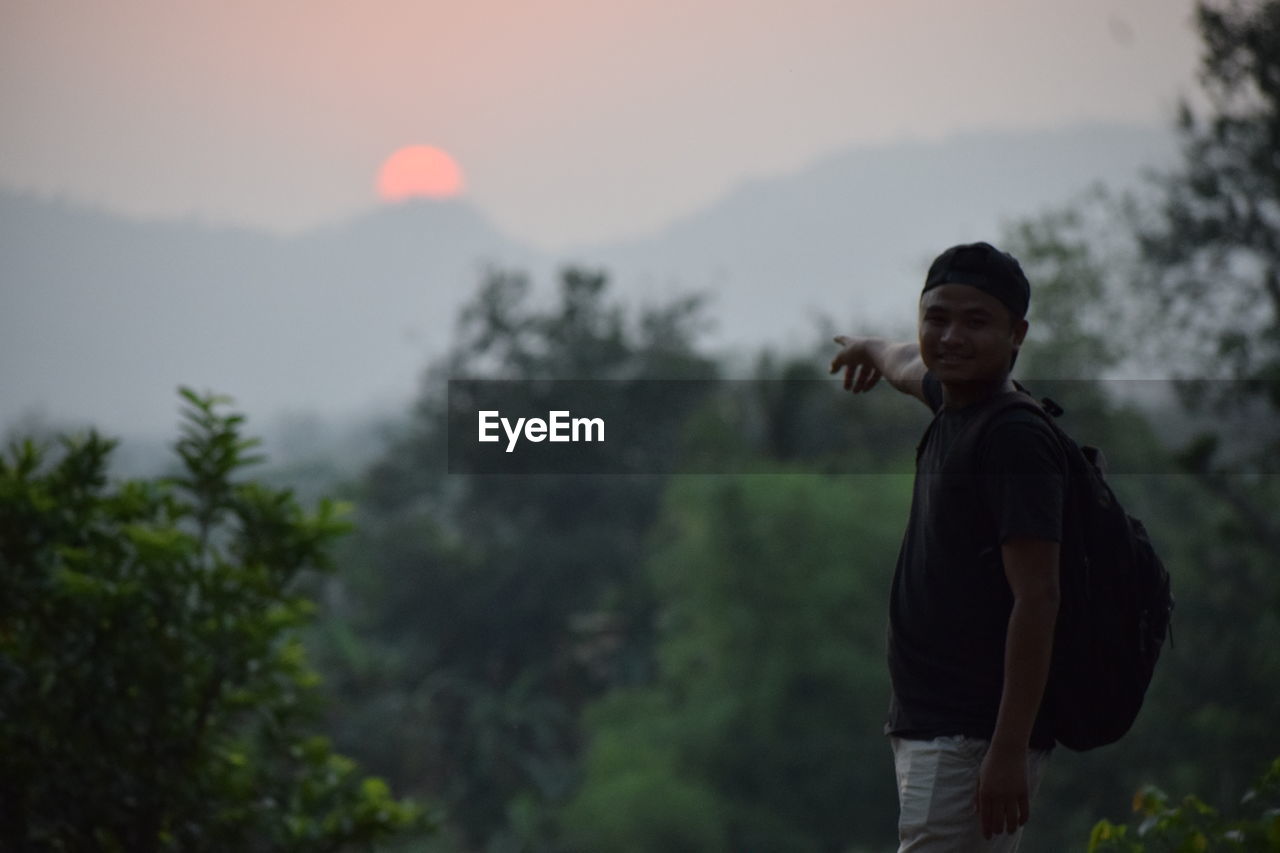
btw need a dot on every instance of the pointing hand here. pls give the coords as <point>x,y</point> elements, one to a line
<point>860,372</point>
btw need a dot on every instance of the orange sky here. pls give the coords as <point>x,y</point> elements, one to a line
<point>573,120</point>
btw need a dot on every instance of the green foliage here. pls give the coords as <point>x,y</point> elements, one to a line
<point>494,607</point>
<point>1208,276</point>
<point>153,692</point>
<point>1075,333</point>
<point>1212,248</point>
<point>762,728</point>
<point>1214,242</point>
<point>1193,826</point>
<point>792,412</point>
<point>639,795</point>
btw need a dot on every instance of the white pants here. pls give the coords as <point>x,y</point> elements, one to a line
<point>937,781</point>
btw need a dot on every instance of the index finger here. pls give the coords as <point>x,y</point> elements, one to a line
<point>986,814</point>
<point>996,815</point>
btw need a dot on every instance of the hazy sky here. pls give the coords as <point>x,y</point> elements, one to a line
<point>573,120</point>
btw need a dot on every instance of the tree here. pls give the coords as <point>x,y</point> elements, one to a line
<point>153,692</point>
<point>762,728</point>
<point>1212,244</point>
<point>1075,333</point>
<point>496,606</point>
<point>1208,252</point>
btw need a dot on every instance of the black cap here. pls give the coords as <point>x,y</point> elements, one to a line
<point>985,267</point>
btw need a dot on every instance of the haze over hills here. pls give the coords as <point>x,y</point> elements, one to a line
<point>102,317</point>
<point>850,237</point>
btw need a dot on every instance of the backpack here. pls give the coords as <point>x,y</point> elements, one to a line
<point>1116,602</point>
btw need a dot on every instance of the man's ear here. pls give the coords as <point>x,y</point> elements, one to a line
<point>1020,327</point>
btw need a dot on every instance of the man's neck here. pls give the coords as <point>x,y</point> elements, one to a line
<point>961,395</point>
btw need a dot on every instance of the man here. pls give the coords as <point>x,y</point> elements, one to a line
<point>975,592</point>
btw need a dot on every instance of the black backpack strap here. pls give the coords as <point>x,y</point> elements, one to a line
<point>1018,399</point>
<point>1012,400</point>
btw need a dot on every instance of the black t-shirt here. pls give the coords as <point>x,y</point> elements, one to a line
<point>950,604</point>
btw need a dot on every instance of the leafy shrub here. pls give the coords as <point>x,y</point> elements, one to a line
<point>153,693</point>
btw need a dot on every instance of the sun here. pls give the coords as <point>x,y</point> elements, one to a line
<point>419,171</point>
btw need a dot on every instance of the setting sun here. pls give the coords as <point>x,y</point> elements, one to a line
<point>419,171</point>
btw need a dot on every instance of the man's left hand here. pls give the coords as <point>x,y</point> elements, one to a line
<point>1003,801</point>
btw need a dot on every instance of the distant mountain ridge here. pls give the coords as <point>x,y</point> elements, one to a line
<point>104,317</point>
<point>849,237</point>
<point>101,317</point>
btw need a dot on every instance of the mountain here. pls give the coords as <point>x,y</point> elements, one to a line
<point>102,317</point>
<point>849,238</point>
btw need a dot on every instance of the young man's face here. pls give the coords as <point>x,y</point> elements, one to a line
<point>967,335</point>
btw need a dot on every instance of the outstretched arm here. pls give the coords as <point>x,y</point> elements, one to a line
<point>865,360</point>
